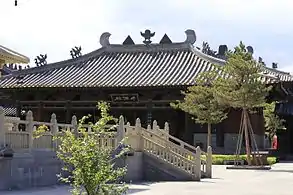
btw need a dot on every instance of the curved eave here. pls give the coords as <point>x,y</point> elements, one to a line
<point>182,86</point>
<point>9,56</point>
<point>120,66</point>
<point>209,58</point>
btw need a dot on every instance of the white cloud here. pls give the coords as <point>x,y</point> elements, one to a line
<point>54,26</point>
<point>39,26</point>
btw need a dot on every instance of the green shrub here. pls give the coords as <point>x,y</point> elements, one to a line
<point>218,159</point>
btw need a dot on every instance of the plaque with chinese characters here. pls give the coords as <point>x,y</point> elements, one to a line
<point>124,97</point>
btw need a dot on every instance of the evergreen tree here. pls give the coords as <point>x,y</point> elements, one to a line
<point>273,122</point>
<point>199,102</point>
<point>241,86</point>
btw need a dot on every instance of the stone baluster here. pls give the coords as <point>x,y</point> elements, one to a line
<point>155,125</point>
<point>54,130</point>
<point>197,170</point>
<point>2,127</point>
<point>30,128</point>
<point>120,130</point>
<point>166,136</point>
<point>149,127</point>
<point>155,130</point>
<point>166,129</point>
<point>74,125</point>
<point>209,161</point>
<point>139,133</point>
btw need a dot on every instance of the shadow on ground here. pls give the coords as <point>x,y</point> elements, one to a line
<point>277,171</point>
<point>134,190</point>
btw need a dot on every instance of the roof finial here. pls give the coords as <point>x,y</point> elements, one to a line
<point>275,65</point>
<point>147,35</point>
<point>41,60</point>
<point>249,49</point>
<point>190,36</point>
<point>104,39</point>
<point>75,52</point>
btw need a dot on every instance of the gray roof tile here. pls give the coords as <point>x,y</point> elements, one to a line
<point>174,64</point>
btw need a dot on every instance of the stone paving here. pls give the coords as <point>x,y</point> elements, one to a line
<point>278,181</point>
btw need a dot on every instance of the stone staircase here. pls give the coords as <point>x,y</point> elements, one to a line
<point>170,155</point>
<point>157,154</point>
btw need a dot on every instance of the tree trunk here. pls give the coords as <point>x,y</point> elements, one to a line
<point>246,134</point>
<point>209,137</point>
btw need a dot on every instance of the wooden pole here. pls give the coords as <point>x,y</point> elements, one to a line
<point>246,133</point>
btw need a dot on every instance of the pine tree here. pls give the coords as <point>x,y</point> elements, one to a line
<point>241,86</point>
<point>273,122</point>
<point>199,102</point>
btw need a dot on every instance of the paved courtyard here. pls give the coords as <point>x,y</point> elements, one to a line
<point>278,181</point>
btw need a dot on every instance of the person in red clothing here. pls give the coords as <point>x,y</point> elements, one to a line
<point>275,142</point>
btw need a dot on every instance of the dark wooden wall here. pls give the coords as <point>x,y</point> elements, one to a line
<point>67,102</point>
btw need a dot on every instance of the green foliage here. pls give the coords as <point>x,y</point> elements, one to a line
<point>242,85</point>
<point>40,131</point>
<point>199,102</point>
<point>91,164</point>
<point>218,159</point>
<point>273,122</point>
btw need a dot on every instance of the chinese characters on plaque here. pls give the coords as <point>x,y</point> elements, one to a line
<point>124,97</point>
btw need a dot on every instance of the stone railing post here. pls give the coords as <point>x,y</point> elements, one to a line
<point>209,161</point>
<point>139,133</point>
<point>155,126</point>
<point>2,127</point>
<point>149,127</point>
<point>74,125</point>
<point>30,128</point>
<point>166,129</point>
<point>54,130</point>
<point>155,130</point>
<point>120,130</point>
<point>197,170</point>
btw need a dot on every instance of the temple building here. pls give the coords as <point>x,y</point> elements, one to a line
<point>8,56</point>
<point>138,80</point>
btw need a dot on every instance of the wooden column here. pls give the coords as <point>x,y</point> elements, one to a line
<point>68,111</point>
<point>149,112</point>
<point>18,108</point>
<point>39,112</point>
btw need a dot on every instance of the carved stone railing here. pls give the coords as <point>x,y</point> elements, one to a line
<point>18,134</point>
<point>169,148</point>
<point>152,140</point>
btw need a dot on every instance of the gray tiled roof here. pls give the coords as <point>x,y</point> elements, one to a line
<point>174,64</point>
<point>9,111</point>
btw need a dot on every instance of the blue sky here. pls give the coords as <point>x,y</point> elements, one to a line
<point>55,26</point>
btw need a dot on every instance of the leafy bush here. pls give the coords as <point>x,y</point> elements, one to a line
<point>91,165</point>
<point>218,159</point>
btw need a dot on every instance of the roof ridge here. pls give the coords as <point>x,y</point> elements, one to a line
<point>211,59</point>
<point>111,48</point>
<point>59,64</point>
<point>276,70</point>
<point>146,48</point>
